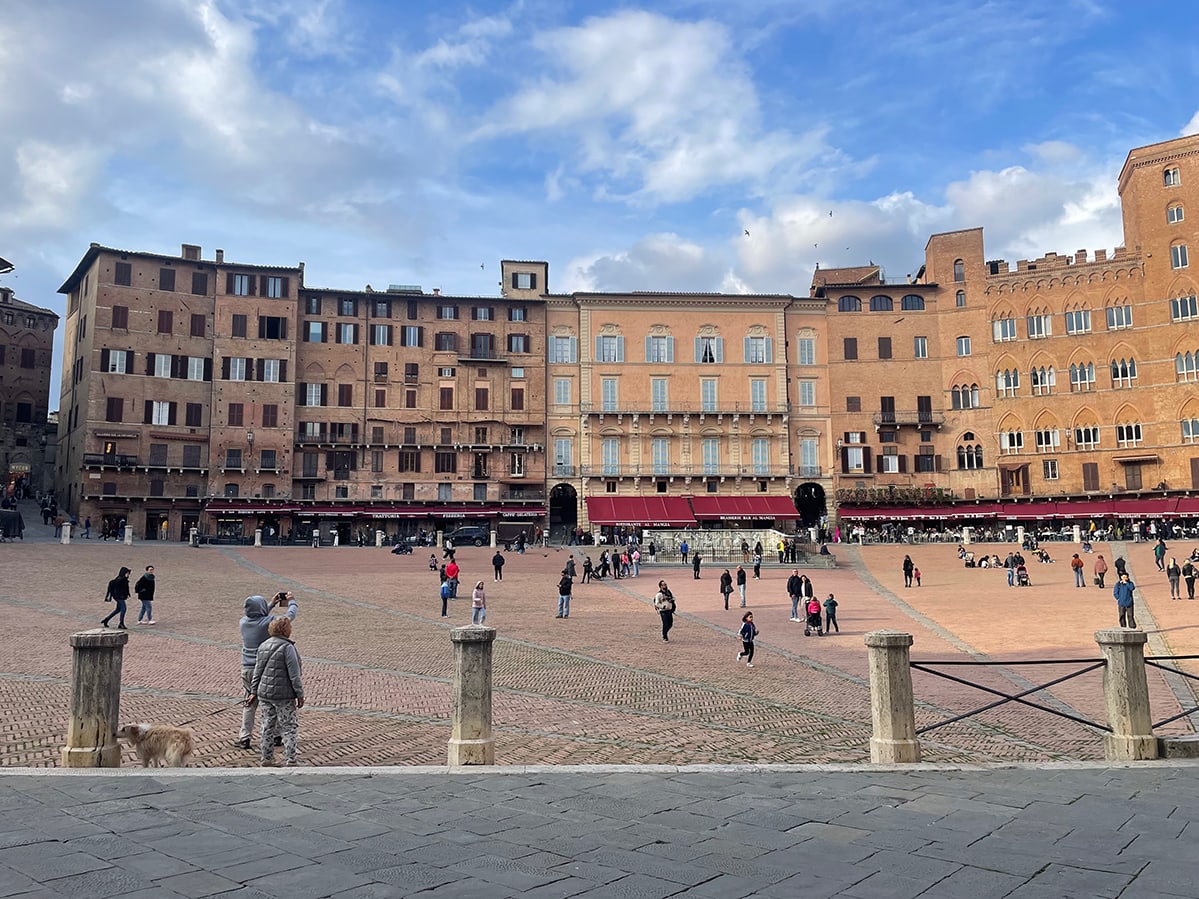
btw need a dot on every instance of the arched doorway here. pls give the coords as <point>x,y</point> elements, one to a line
<point>564,509</point>
<point>809,500</point>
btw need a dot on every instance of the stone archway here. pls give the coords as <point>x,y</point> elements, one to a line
<point>564,508</point>
<point>810,501</point>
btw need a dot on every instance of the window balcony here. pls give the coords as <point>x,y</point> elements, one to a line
<point>109,460</point>
<point>916,418</point>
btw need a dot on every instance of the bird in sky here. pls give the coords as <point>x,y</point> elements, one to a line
<point>830,213</point>
<point>747,232</point>
<point>481,264</point>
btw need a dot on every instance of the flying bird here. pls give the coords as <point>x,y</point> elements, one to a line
<point>747,232</point>
<point>830,213</point>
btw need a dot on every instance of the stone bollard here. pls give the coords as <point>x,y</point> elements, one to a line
<point>128,535</point>
<point>66,535</point>
<point>193,536</point>
<point>967,535</point>
<point>1020,535</point>
<point>494,544</point>
<point>379,535</point>
<point>1126,696</point>
<point>891,705</point>
<point>258,536</point>
<point>471,742</point>
<point>1077,533</point>
<point>440,539</point>
<point>95,700</point>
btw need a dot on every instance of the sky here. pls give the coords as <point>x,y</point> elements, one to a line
<point>632,146</point>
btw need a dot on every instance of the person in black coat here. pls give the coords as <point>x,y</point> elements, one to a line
<point>497,562</point>
<point>118,592</point>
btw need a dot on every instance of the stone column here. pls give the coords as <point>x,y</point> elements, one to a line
<point>95,699</point>
<point>1126,696</point>
<point>891,705</point>
<point>967,535</point>
<point>440,539</point>
<point>471,742</point>
<point>378,538</point>
<point>129,535</point>
<point>1077,533</point>
<point>66,534</point>
<point>1020,534</point>
<point>258,536</point>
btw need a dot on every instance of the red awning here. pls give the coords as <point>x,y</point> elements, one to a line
<point>218,508</point>
<point>1085,509</point>
<point>328,511</point>
<point>1145,508</point>
<point>982,510</point>
<point>743,508</point>
<point>1187,505</point>
<point>643,511</point>
<point>1028,511</point>
<point>877,512</point>
<point>409,511</point>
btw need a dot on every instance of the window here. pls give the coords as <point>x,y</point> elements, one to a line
<point>1171,177</point>
<point>447,313</point>
<point>409,460</point>
<point>1049,469</point>
<point>851,349</point>
<point>195,368</point>
<point>410,397</point>
<point>345,394</point>
<point>518,399</point>
<point>29,358</point>
<point>517,314</point>
<point>849,304</point>
<point>888,461</point>
<point>1078,321</point>
<point>564,456</point>
<point>118,361</point>
<point>1174,214</point>
<point>518,343</point>
<point>381,399</point>
<point>524,280</point>
<point>276,288</point>
<point>608,394</point>
<point>1086,438</point>
<point>314,394</point>
<point>760,449</point>
<point>1119,317</point>
<point>120,317</point>
<point>482,313</point>
<point>1011,441</point>
<point>482,346</point>
<point>518,372</point>
<point>1124,372</point>
<point>312,305</point>
<point>114,409</point>
<point>1128,435</point>
<point>482,399</point>
<point>853,404</point>
<point>959,270</point>
<point>809,457</point>
<point>165,321</point>
<point>610,455</point>
<point>564,349</point>
<point>609,349</point>
<point>241,285</point>
<point>270,370</point>
<point>881,303</point>
<point>161,413</point>
<point>347,306</point>
<point>123,274</point>
<point>272,327</point>
<point>707,395</point>
<point>884,348</point>
<point>199,283</point>
<point>807,393</point>
<point>1185,366</point>
<point>1048,440</point>
<point>661,455</point>
<point>965,397</point>
<point>659,349</point>
<point>380,335</point>
<point>412,335</point>
<point>963,344</point>
<point>1190,430</point>
<point>806,351</point>
<point>233,458</point>
<point>270,415</point>
<point>562,391</point>
<point>1178,256</point>
<point>445,462</point>
<point>446,398</point>
<point>237,368</point>
<point>1082,376</point>
<point>659,395</point>
<point>757,395</point>
<point>1039,326</point>
<point>960,299</point>
<point>711,455</point>
<point>1183,309</point>
<point>238,326</point>
<point>347,332</point>
<point>920,347</point>
<point>1043,381</point>
<point>1007,382</point>
<point>912,303</point>
<point>853,454</point>
<point>445,341</point>
<point>198,325</point>
<point>193,414</point>
<point>314,332</point>
<point>235,417</point>
<point>970,456</point>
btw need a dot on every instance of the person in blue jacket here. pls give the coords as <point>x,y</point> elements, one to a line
<point>1123,591</point>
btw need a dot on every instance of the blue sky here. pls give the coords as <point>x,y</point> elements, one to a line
<point>631,146</point>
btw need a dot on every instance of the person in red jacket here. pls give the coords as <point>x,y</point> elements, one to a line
<point>451,576</point>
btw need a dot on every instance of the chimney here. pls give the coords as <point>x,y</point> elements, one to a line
<point>191,252</point>
<point>436,291</point>
<point>220,256</point>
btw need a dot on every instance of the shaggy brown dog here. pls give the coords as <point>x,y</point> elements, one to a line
<point>160,744</point>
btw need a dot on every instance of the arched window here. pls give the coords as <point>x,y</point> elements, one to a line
<point>959,270</point>
<point>1043,380</point>
<point>849,304</point>
<point>965,397</point>
<point>1185,366</point>
<point>1124,372</point>
<point>1171,177</point>
<point>961,299</point>
<point>1178,256</point>
<point>1174,214</point>
<point>1082,376</point>
<point>1007,382</point>
<point>970,457</point>
<point>881,303</point>
<point>912,303</point>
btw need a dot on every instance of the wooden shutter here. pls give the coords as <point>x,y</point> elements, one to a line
<point>172,410</point>
<point>283,370</point>
<point>208,369</point>
<point>903,463</point>
<point>769,349</point>
<point>150,363</point>
<point>285,288</point>
<point>148,412</point>
<point>104,354</point>
<point>1090,475</point>
<point>866,469</point>
<point>324,394</point>
<point>225,369</point>
<point>845,459</point>
<point>260,366</point>
<point>229,283</point>
<point>1195,473</point>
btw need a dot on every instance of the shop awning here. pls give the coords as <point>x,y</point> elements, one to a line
<point>1145,508</point>
<point>981,510</point>
<point>642,511</point>
<point>1028,511</point>
<point>743,508</point>
<point>416,511</point>
<point>327,511</point>
<point>1187,505</point>
<point>234,509</point>
<point>1085,509</point>
<point>880,513</point>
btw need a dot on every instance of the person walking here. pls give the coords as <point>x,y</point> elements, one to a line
<point>1188,575</point>
<point>1123,591</point>
<point>1173,575</point>
<point>1120,565</point>
<point>1100,571</point>
<point>1159,554</point>
<point>665,606</point>
<point>254,626</point>
<point>587,569</point>
<point>726,587</point>
<point>118,592</point>
<point>1076,564</point>
<point>793,586</point>
<point>144,588</point>
<point>87,528</point>
<point>276,684</point>
<point>747,634</point>
<point>830,615</point>
<point>741,583</point>
<point>478,605</point>
<point>916,574</point>
<point>564,595</point>
<point>497,564</point>
<point>908,567</point>
<point>757,565</point>
<point>635,558</point>
<point>446,595</point>
<point>695,561</point>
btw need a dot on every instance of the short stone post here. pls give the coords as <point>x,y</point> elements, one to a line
<point>95,699</point>
<point>128,535</point>
<point>1126,696</point>
<point>1020,534</point>
<point>967,535</point>
<point>258,536</point>
<point>471,742</point>
<point>440,539</point>
<point>378,538</point>
<point>891,705</point>
<point>193,536</point>
<point>66,534</point>
<point>336,537</point>
<point>493,543</point>
<point>1077,533</point>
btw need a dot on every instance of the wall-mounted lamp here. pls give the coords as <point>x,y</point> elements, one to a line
<point>250,437</point>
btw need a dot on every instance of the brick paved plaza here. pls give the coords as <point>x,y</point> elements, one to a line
<point>600,687</point>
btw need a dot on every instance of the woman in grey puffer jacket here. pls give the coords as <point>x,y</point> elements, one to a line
<point>277,683</point>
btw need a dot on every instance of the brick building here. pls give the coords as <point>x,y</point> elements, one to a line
<point>26,354</point>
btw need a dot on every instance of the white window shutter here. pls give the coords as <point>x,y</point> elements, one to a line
<point>719,349</point>
<point>670,349</point>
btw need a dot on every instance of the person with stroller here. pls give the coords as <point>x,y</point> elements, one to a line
<point>814,621</point>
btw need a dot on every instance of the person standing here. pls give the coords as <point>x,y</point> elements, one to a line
<point>87,528</point>
<point>1076,565</point>
<point>277,684</point>
<point>665,606</point>
<point>741,583</point>
<point>652,549</point>
<point>683,550</point>
<point>744,551</point>
<point>695,560</point>
<point>757,565</point>
<point>118,592</point>
<point>1100,571</point>
<point>1123,591</point>
<point>1159,554</point>
<point>830,615</point>
<point>144,588</point>
<point>726,587</point>
<point>1188,575</point>
<point>254,626</point>
<point>570,567</point>
<point>446,595</point>
<point>806,593</point>
<point>781,549</point>
<point>451,576</point>
<point>1173,575</point>
<point>635,558</point>
<point>478,605</point>
<point>907,571</point>
<point>587,568</point>
<point>916,574</point>
<point>497,563</point>
<point>747,634</point>
<point>564,595</point>
<point>793,587</point>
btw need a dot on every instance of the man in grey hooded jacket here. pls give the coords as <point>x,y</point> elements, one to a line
<point>254,625</point>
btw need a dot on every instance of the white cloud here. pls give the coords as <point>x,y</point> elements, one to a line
<point>52,182</point>
<point>655,262</point>
<point>1191,127</point>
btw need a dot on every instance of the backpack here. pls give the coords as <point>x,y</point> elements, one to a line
<point>445,590</point>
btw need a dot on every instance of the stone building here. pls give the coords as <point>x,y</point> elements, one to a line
<point>26,354</point>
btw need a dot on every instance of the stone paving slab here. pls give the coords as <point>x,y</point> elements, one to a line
<point>699,840</point>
